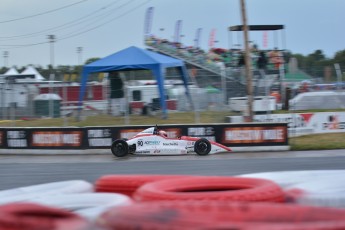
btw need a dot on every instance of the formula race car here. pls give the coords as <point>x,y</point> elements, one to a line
<point>152,141</point>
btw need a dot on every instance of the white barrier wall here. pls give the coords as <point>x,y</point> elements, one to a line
<point>303,123</point>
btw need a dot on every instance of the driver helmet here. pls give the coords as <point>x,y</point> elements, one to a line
<point>163,133</point>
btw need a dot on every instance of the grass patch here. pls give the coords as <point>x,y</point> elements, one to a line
<point>318,142</point>
<point>108,120</point>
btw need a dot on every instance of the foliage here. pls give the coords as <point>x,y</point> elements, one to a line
<point>90,60</point>
<point>315,63</point>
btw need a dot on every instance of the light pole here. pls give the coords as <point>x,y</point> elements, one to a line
<point>6,54</point>
<point>3,89</point>
<point>51,39</point>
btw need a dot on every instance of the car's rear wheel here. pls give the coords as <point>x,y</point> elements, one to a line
<point>202,147</point>
<point>119,148</point>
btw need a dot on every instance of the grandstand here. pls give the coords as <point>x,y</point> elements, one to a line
<point>223,68</point>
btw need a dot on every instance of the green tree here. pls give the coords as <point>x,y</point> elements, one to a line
<point>339,58</point>
<point>90,60</point>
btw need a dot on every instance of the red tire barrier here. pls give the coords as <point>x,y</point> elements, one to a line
<point>128,184</point>
<point>29,216</point>
<point>211,188</point>
<point>221,215</point>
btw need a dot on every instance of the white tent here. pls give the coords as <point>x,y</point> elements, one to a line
<point>31,70</point>
<point>11,71</point>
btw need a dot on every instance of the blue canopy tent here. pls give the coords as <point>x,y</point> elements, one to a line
<point>134,58</point>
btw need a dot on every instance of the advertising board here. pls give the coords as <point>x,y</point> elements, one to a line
<point>304,123</point>
<point>231,135</point>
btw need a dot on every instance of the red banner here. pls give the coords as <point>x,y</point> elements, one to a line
<point>212,38</point>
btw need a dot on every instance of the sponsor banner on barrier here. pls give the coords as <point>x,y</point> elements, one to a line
<point>304,123</point>
<point>130,133</point>
<point>328,122</point>
<point>1,138</point>
<point>246,134</point>
<point>17,138</point>
<point>207,132</point>
<point>99,137</point>
<point>56,138</point>
<point>254,135</point>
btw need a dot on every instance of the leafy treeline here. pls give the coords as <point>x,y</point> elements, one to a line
<point>318,65</point>
<point>315,64</point>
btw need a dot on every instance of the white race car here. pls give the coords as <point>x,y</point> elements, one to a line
<point>152,141</point>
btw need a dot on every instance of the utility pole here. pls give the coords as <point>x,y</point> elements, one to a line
<point>6,54</point>
<point>80,55</point>
<point>248,63</point>
<point>51,39</point>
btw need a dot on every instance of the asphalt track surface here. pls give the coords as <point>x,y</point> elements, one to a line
<point>25,170</point>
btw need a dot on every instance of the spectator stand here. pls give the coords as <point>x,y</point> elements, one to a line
<point>228,62</point>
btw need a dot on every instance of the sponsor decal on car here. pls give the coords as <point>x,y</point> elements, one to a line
<point>171,144</point>
<point>141,152</point>
<point>140,142</point>
<point>152,142</point>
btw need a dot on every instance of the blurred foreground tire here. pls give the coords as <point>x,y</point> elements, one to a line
<point>88,205</point>
<point>211,188</point>
<point>181,215</point>
<point>128,184</point>
<point>28,216</point>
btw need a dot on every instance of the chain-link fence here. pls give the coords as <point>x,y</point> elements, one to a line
<point>214,87</point>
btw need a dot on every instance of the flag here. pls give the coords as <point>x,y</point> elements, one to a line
<point>197,37</point>
<point>212,38</point>
<point>264,40</point>
<point>148,21</point>
<point>178,28</point>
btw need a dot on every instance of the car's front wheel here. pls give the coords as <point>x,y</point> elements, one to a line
<point>119,148</point>
<point>202,147</point>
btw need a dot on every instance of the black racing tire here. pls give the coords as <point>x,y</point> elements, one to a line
<point>202,147</point>
<point>119,148</point>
